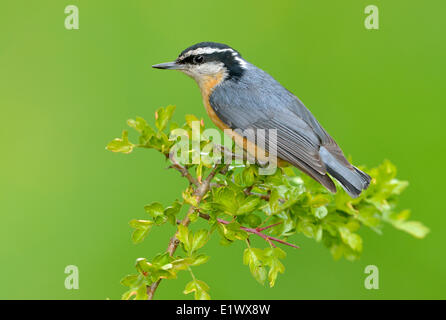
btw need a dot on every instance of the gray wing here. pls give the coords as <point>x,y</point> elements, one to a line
<point>268,105</point>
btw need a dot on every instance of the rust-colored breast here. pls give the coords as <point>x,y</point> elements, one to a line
<point>207,85</point>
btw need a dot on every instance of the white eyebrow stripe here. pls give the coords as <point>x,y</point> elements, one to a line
<point>207,50</point>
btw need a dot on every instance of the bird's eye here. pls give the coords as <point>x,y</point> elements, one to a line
<point>198,59</point>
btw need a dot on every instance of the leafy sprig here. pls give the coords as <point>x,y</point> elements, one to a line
<point>238,203</point>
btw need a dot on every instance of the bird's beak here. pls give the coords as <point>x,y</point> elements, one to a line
<point>168,65</point>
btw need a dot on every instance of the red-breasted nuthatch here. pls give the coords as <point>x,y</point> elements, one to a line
<point>238,95</point>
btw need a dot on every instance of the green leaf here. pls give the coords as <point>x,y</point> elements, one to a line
<point>162,259</point>
<point>200,288</point>
<point>320,212</point>
<point>340,250</point>
<point>140,125</point>
<point>248,176</point>
<point>190,118</point>
<point>414,228</point>
<point>369,216</point>
<point>156,210</point>
<point>224,197</point>
<point>272,256</point>
<point>232,231</point>
<point>398,186</point>
<point>320,200</point>
<point>183,236</point>
<point>190,198</point>
<point>182,263</point>
<point>128,294</point>
<point>253,258</point>
<point>199,259</point>
<point>353,240</point>
<point>137,285</point>
<point>172,211</point>
<point>160,268</point>
<point>253,220</point>
<point>131,281</point>
<point>402,216</point>
<point>248,205</point>
<point>192,241</point>
<point>287,226</point>
<point>160,141</point>
<point>199,240</point>
<point>122,145</point>
<point>142,228</point>
<point>142,265</point>
<point>141,293</point>
<point>163,115</point>
<point>274,200</point>
<point>307,227</point>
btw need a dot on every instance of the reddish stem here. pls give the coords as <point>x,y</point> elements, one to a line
<point>267,227</point>
<point>262,235</point>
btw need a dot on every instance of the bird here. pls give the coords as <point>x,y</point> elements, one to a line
<point>239,95</point>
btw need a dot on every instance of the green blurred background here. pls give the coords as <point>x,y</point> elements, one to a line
<point>65,94</point>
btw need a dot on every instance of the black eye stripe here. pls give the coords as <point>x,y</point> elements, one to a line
<point>194,59</point>
<point>208,57</point>
<point>227,58</point>
<point>198,59</point>
<point>186,60</point>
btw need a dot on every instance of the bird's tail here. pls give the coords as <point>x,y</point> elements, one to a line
<point>351,178</point>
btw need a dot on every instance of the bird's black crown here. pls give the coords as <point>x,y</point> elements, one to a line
<point>212,45</point>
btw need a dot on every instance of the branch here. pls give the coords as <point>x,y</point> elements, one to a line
<point>214,171</point>
<point>173,244</point>
<point>185,173</point>
<point>267,227</point>
<point>200,192</point>
<point>183,170</point>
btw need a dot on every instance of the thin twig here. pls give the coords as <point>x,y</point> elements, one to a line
<point>214,171</point>
<point>262,235</point>
<point>270,226</point>
<point>256,231</point>
<point>185,173</point>
<point>183,170</point>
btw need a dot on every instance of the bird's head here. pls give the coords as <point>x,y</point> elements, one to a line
<point>206,61</point>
